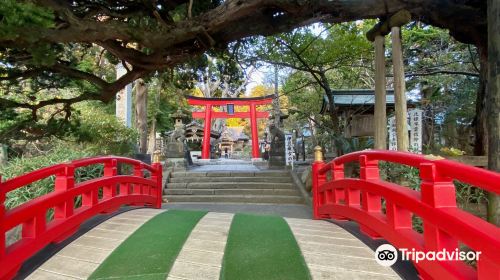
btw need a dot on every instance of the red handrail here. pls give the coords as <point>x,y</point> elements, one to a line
<point>445,225</point>
<point>37,232</point>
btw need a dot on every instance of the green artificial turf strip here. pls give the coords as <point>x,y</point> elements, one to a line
<point>151,250</point>
<point>262,247</point>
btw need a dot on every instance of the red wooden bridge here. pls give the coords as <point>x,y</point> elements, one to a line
<point>382,209</point>
<point>116,190</point>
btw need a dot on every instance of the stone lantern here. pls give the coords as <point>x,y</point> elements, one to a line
<point>178,116</point>
<point>176,148</point>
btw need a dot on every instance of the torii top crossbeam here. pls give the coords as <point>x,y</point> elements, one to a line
<point>208,114</point>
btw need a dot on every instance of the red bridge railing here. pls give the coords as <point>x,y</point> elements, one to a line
<point>445,226</point>
<point>101,195</point>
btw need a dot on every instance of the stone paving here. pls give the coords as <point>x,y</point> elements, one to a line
<point>201,255</point>
<point>291,211</point>
<point>225,165</point>
<point>81,257</point>
<point>330,251</point>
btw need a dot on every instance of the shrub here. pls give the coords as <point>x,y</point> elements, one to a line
<point>22,165</point>
<point>102,133</point>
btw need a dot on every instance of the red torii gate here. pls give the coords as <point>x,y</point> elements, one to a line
<point>253,115</point>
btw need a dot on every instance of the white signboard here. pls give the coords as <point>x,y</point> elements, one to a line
<point>124,99</point>
<point>415,120</point>
<point>393,144</point>
<point>288,149</point>
<point>415,125</point>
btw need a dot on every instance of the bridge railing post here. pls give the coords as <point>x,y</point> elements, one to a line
<point>110,170</point>
<point>65,181</point>
<point>317,180</point>
<point>340,195</point>
<point>338,173</point>
<point>157,176</point>
<point>438,192</point>
<point>2,215</point>
<point>371,203</point>
<point>138,171</point>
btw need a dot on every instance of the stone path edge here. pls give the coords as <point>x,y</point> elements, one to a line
<point>404,269</point>
<point>33,263</point>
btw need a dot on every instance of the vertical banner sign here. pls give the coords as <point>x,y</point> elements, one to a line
<point>415,120</point>
<point>288,149</point>
<point>393,145</point>
<point>124,99</point>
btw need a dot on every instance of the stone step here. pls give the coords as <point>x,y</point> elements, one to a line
<point>283,179</point>
<point>271,199</point>
<point>283,192</point>
<point>274,173</point>
<point>230,185</point>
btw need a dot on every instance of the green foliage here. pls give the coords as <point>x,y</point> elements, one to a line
<point>400,174</point>
<point>15,14</point>
<point>101,133</point>
<point>22,165</point>
<point>410,177</point>
<point>468,194</point>
<point>449,100</point>
<point>43,54</point>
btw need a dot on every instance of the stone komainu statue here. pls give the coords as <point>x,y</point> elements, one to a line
<point>277,140</point>
<point>277,152</point>
<point>177,136</point>
<point>276,133</point>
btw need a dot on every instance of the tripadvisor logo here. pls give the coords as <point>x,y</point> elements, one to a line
<point>387,255</point>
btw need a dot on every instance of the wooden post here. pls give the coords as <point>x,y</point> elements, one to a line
<point>158,177</point>
<point>380,94</point>
<point>377,35</point>
<point>493,104</point>
<point>317,180</point>
<point>399,90</point>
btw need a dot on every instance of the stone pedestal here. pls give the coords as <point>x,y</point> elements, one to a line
<point>276,160</point>
<point>176,164</point>
<point>175,150</point>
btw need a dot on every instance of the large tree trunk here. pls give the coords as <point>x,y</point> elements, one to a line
<point>480,127</point>
<point>380,115</point>
<point>152,147</point>
<point>141,114</point>
<point>152,138</point>
<point>276,99</point>
<point>493,103</point>
<point>399,90</point>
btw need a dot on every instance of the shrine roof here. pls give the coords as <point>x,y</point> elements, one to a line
<point>356,98</point>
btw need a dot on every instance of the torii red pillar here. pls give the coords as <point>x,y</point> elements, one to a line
<point>255,134</point>
<point>205,152</point>
<point>208,115</point>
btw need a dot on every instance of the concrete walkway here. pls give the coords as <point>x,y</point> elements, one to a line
<point>224,165</point>
<point>330,251</point>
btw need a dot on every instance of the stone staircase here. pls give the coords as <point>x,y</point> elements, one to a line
<point>272,187</point>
